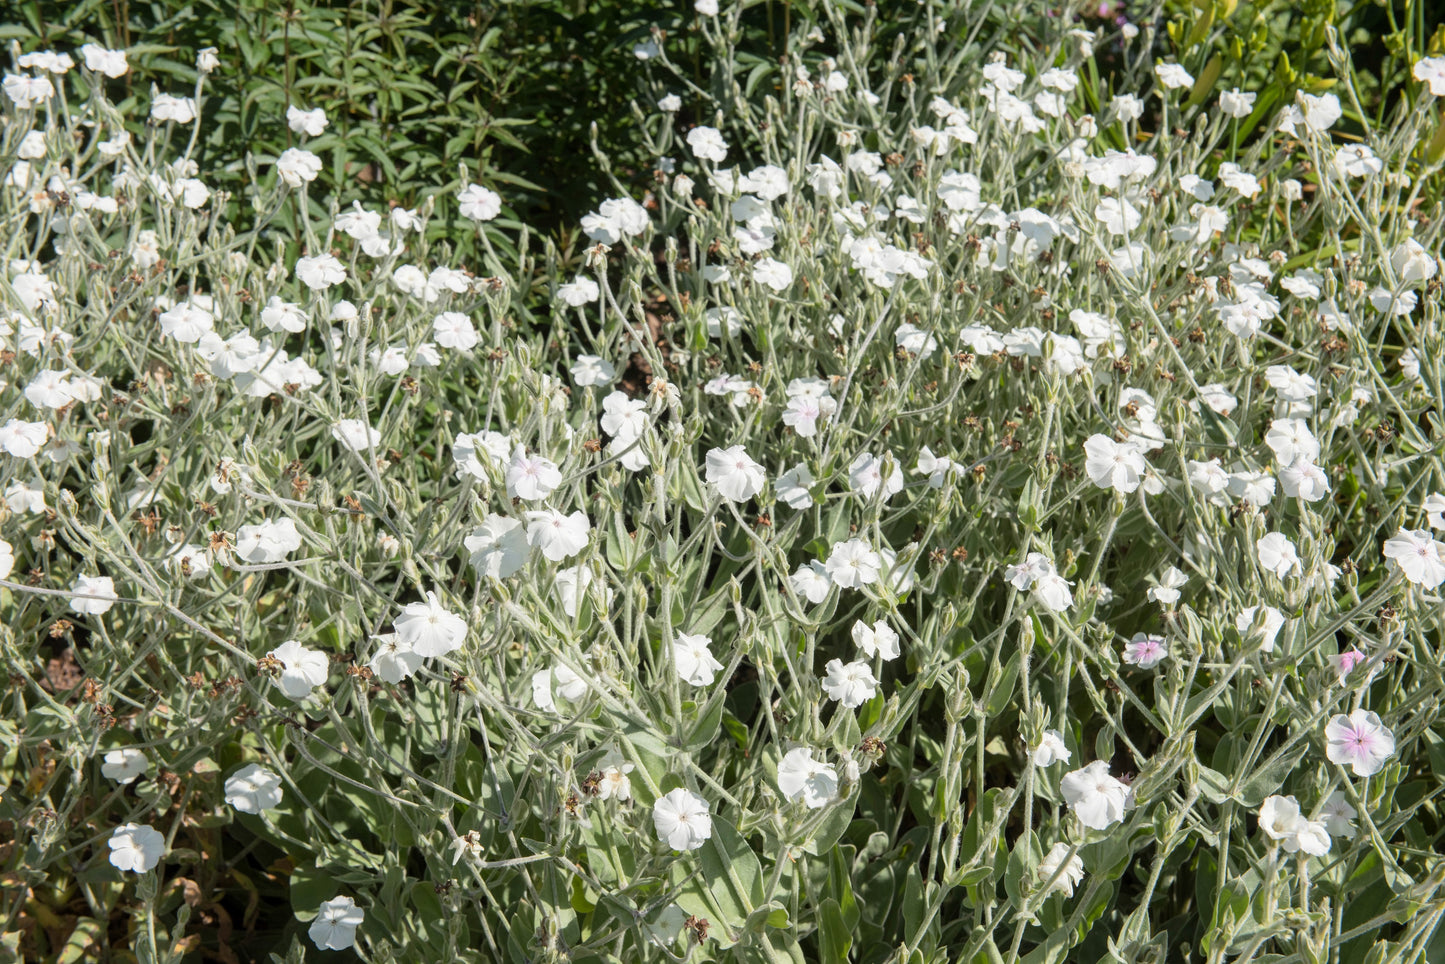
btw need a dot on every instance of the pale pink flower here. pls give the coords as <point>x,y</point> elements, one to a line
<point>1359,740</point>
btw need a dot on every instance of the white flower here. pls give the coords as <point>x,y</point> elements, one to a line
<point>1167,592</point>
<point>23,439</point>
<point>394,660</point>
<point>579,291</point>
<point>670,103</point>
<point>253,788</point>
<point>734,474</point>
<point>558,536</point>
<point>682,820</point>
<point>1270,623</point>
<point>694,660</point>
<point>297,166</point>
<point>852,564</point>
<point>1431,71</point>
<point>591,370</point>
<point>430,628</point>
<point>112,63</point>
<point>1281,821</point>
<point>136,848</point>
<point>774,274</point>
<point>1096,798</point>
<point>302,669</point>
<point>334,928</point>
<point>1173,76</point>
<point>1338,816</point>
<point>1116,465</point>
<point>851,684</point>
<point>478,203</point>
<point>191,561</point>
<point>1050,750</point>
<point>866,476</point>
<point>308,122</point>
<point>800,777</point>
<point>792,487</point>
<point>454,330</point>
<point>1290,439</point>
<point>100,587</point>
<point>707,8</point>
<point>1277,554</point>
<point>498,547</point>
<point>570,687</point>
<point>1433,507</point>
<point>1359,741</point>
<point>267,542</point>
<point>811,581</point>
<point>1237,103</point>
<point>531,478</point>
<point>1304,480</point>
<point>356,435</point>
<point>707,143</point>
<point>124,765</point>
<point>1418,555</point>
<point>321,272</point>
<point>1071,874</point>
<point>615,784</point>
<point>281,315</point>
<point>1412,261</point>
<point>186,322</point>
<point>181,110</point>
<point>877,640</point>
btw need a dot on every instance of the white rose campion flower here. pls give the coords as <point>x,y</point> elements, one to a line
<point>1359,741</point>
<point>590,370</point>
<point>320,272</point>
<point>94,595</point>
<point>775,274</point>
<point>253,788</point>
<point>866,476</point>
<point>23,439</point>
<point>180,110</point>
<point>1277,554</point>
<point>1097,799</point>
<point>112,63</point>
<point>531,477</point>
<point>302,669</point>
<point>309,122</point>
<point>498,547</point>
<point>394,660</point>
<point>1114,465</point>
<point>1412,262</point>
<point>124,765</point>
<point>136,848</point>
<point>1237,103</point>
<point>1069,870</point>
<point>1282,823</point>
<point>559,536</point>
<point>851,684</point>
<point>707,144</point>
<point>579,291</point>
<point>876,640</point>
<point>1418,555</point>
<point>356,435</point>
<point>334,928</point>
<point>1173,76</point>
<point>297,166</point>
<point>693,659</point>
<point>281,315</point>
<point>430,628</point>
<point>454,330</point>
<point>682,820</point>
<point>478,203</point>
<point>1270,623</point>
<point>186,322</point>
<point>852,564</point>
<point>735,476</point>
<point>811,581</point>
<point>1339,816</point>
<point>569,686</point>
<point>267,542</point>
<point>800,777</point>
<point>1431,71</point>
<point>1050,750</point>
<point>1145,651</point>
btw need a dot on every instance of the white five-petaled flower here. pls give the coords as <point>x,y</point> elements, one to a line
<point>253,788</point>
<point>1277,554</point>
<point>682,820</point>
<point>1114,465</point>
<point>309,122</point>
<point>356,435</point>
<point>498,546</point>
<point>430,628</point>
<point>1282,822</point>
<point>852,564</point>
<point>693,659</point>
<point>297,166</point>
<point>557,535</point>
<point>1065,879</point>
<point>394,660</point>
<point>267,542</point>
<point>1270,623</point>
<point>124,765</point>
<point>1097,799</point>
<point>94,595</point>
<point>1360,741</point>
<point>136,848</point>
<point>876,640</point>
<point>708,144</point>
<point>1419,556</point>
<point>478,203</point>
<point>302,669</point>
<point>334,928</point>
<point>570,687</point>
<point>734,474</point>
<point>1167,592</point>
<point>531,477</point>
<point>1050,750</point>
<point>851,684</point>
<point>800,777</point>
